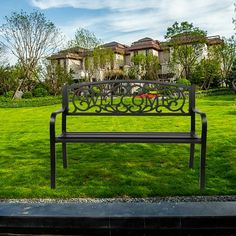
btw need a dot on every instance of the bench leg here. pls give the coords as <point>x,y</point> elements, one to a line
<point>191,159</point>
<point>64,155</point>
<point>53,163</point>
<point>202,166</point>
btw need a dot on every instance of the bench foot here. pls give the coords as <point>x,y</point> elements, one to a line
<point>53,164</point>
<point>191,159</point>
<point>202,167</point>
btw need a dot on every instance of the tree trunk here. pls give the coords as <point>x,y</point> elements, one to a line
<point>18,88</point>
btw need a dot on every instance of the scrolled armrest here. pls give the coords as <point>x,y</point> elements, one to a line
<point>204,121</point>
<point>53,121</point>
<point>54,114</point>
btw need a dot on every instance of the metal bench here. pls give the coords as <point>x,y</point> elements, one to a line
<point>128,98</point>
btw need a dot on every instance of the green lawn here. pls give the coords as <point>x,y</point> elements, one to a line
<point>115,170</point>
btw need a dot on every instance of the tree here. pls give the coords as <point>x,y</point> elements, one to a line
<point>137,70</point>
<point>231,80</point>
<point>97,57</point>
<point>29,37</point>
<point>183,27</point>
<point>206,74</point>
<point>145,67</point>
<point>152,67</point>
<point>9,78</point>
<point>2,55</point>
<point>103,57</point>
<point>186,42</point>
<point>234,19</point>
<point>226,54</point>
<point>55,77</point>
<point>85,39</point>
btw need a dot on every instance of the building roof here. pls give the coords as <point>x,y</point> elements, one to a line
<point>116,47</point>
<point>145,43</point>
<point>69,53</point>
<point>189,38</point>
<point>213,40</point>
<point>142,44</point>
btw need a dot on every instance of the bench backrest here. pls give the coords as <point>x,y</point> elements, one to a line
<point>128,97</point>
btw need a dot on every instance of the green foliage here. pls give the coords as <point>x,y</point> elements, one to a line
<point>96,56</point>
<point>183,27</point>
<point>99,58</point>
<point>130,170</point>
<point>9,94</point>
<point>232,75</point>
<point>144,66</point>
<point>213,92</point>
<point>137,70</point>
<point>206,74</point>
<point>184,58</point>
<point>85,39</point>
<point>29,102</point>
<point>56,77</point>
<point>102,58</point>
<point>27,95</point>
<point>187,43</point>
<point>114,74</point>
<point>9,78</point>
<point>152,67</point>
<point>226,54</point>
<point>96,90</point>
<point>29,37</point>
<point>132,72</point>
<point>40,92</point>
<point>183,81</point>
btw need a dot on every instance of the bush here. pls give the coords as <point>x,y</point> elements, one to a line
<point>9,94</point>
<point>40,92</point>
<point>96,90</point>
<point>183,81</point>
<point>33,102</point>
<point>210,92</point>
<point>27,95</point>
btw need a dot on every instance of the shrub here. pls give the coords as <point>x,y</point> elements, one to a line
<point>183,81</point>
<point>96,90</point>
<point>33,102</point>
<point>27,95</point>
<point>40,92</point>
<point>9,94</point>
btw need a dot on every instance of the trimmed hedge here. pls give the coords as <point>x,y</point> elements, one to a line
<point>217,91</point>
<point>33,102</point>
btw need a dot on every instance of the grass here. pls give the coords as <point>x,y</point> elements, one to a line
<point>115,170</point>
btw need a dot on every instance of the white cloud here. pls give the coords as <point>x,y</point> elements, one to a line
<point>96,4</point>
<point>134,19</point>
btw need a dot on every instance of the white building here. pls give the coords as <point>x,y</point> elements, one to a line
<point>73,59</point>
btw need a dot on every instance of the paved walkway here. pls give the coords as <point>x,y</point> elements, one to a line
<point>118,209</point>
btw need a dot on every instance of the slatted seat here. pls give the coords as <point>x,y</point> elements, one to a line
<point>128,98</point>
<point>128,137</point>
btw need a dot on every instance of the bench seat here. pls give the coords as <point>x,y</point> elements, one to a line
<point>129,137</point>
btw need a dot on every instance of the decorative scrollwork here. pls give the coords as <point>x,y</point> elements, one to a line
<point>129,96</point>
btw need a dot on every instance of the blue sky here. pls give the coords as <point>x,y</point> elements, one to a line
<point>129,20</point>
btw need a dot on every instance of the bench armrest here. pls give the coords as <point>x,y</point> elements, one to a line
<point>53,121</point>
<point>204,123</point>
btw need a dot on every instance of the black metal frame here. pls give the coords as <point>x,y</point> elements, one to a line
<point>128,98</point>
